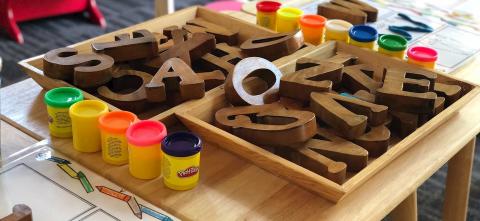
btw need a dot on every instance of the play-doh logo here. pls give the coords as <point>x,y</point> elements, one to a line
<point>187,172</point>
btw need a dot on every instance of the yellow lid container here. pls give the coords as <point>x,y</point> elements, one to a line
<point>86,134</point>
<point>287,19</point>
<point>337,30</point>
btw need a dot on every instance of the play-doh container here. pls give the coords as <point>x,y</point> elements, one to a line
<point>144,153</point>
<point>423,56</point>
<point>392,45</point>
<point>363,36</point>
<point>85,131</point>
<point>313,28</point>
<point>58,102</point>
<point>337,30</point>
<point>113,128</point>
<point>267,13</point>
<point>181,160</point>
<point>287,19</point>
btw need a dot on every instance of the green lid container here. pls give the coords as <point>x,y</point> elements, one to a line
<point>392,42</point>
<point>63,97</point>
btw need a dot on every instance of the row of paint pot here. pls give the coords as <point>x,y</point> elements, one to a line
<point>316,29</point>
<point>122,138</point>
<point>392,45</point>
<point>290,19</point>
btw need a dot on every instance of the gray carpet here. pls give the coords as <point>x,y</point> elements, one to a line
<point>46,34</point>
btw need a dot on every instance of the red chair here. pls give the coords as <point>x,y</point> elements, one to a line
<point>13,11</point>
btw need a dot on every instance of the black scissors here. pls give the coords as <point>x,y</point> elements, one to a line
<point>403,30</point>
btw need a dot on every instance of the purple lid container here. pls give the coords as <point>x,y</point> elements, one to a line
<point>181,144</point>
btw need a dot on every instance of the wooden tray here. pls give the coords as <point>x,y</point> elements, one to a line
<point>200,121</point>
<point>34,66</point>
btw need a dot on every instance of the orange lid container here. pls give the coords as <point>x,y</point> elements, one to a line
<point>116,121</point>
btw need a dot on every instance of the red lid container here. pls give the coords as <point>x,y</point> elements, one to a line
<point>268,6</point>
<point>146,133</point>
<point>423,54</point>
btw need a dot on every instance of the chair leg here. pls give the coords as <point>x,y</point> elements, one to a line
<point>7,21</point>
<point>95,15</point>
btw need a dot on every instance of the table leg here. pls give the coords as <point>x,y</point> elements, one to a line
<point>458,183</point>
<point>406,210</point>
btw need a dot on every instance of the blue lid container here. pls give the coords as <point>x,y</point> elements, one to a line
<point>181,144</point>
<point>363,33</point>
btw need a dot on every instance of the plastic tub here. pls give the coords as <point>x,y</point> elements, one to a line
<point>144,154</point>
<point>313,28</point>
<point>337,30</point>
<point>267,14</point>
<point>392,45</point>
<point>85,131</point>
<point>181,160</point>
<point>113,127</point>
<point>58,102</point>
<point>363,36</point>
<point>287,19</point>
<point>423,56</point>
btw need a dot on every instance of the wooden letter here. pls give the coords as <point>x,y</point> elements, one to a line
<point>359,77</point>
<point>223,58</point>
<point>338,149</point>
<point>235,90</point>
<point>142,45</point>
<point>353,11</point>
<point>85,70</point>
<point>319,78</point>
<point>127,90</point>
<point>317,163</point>
<point>222,34</point>
<point>197,46</point>
<point>404,123</point>
<point>269,124</point>
<point>272,47</point>
<point>348,116</point>
<point>375,141</point>
<point>212,79</point>
<point>406,94</point>
<point>451,92</point>
<point>175,76</point>
<point>20,212</point>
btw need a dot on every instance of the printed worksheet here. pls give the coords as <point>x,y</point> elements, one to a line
<point>56,188</point>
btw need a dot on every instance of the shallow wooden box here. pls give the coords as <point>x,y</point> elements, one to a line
<point>199,118</point>
<point>34,66</point>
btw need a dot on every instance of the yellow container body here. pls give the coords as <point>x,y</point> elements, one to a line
<point>336,36</point>
<point>144,161</point>
<point>369,45</point>
<point>397,54</point>
<point>86,134</point>
<point>59,122</point>
<point>429,65</point>
<point>114,148</point>
<point>286,25</point>
<point>181,173</point>
<point>267,19</point>
<point>313,35</point>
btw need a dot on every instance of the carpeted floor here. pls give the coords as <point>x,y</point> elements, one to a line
<point>44,35</point>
